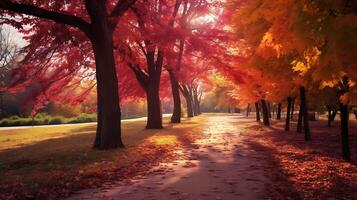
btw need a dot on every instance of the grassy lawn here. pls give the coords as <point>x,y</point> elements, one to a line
<point>53,161</point>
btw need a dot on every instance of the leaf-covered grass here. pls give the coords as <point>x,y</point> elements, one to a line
<point>48,162</point>
<point>306,170</point>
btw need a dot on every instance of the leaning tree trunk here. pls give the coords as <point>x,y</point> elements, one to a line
<point>287,122</point>
<point>278,114</point>
<point>304,110</point>
<point>265,113</point>
<point>176,115</point>
<point>257,112</point>
<point>108,130</point>
<point>189,107</point>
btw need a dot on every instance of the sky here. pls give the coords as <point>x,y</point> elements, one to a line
<point>16,37</point>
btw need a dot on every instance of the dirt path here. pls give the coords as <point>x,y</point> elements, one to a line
<point>220,166</point>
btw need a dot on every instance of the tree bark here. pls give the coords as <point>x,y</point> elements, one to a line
<point>109,127</point>
<point>344,131</point>
<point>329,117</point>
<point>278,114</point>
<point>269,109</point>
<point>257,112</point>
<point>265,113</point>
<point>287,122</point>
<point>196,101</point>
<point>176,115</point>
<point>154,115</point>
<point>186,93</point>
<point>355,113</point>
<point>299,123</point>
<point>292,108</point>
<point>333,115</point>
<point>304,110</point>
<point>247,113</point>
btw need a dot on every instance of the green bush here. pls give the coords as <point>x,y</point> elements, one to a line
<point>56,120</point>
<point>83,118</point>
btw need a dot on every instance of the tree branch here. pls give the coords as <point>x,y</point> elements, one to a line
<point>46,14</point>
<point>119,10</point>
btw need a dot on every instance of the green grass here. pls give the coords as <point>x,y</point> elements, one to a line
<point>31,155</point>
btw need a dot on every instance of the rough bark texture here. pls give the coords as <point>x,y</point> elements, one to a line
<point>288,112</point>
<point>305,117</point>
<point>108,130</point>
<point>265,113</point>
<point>278,114</point>
<point>176,115</point>
<point>257,112</point>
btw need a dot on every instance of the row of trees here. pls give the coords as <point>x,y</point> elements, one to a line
<point>115,47</point>
<point>294,49</point>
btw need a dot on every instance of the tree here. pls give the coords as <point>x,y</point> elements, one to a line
<point>99,31</point>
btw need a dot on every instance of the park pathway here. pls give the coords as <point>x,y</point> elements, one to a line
<point>221,166</point>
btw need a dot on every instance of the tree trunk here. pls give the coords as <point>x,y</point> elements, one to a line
<point>109,128</point>
<point>299,123</point>
<point>278,114</point>
<point>344,131</point>
<point>257,112</point>
<point>304,110</point>
<point>333,115</point>
<point>269,109</point>
<point>247,114</point>
<point>292,108</point>
<point>196,102</point>
<point>189,107</point>
<point>265,113</point>
<point>329,117</point>
<point>176,115</point>
<point>154,119</point>
<point>287,122</point>
<point>355,113</point>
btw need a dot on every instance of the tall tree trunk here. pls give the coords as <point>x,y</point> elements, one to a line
<point>292,108</point>
<point>344,109</point>
<point>196,102</point>
<point>355,113</point>
<point>154,119</point>
<point>329,117</point>
<point>269,109</point>
<point>257,111</point>
<point>247,113</point>
<point>109,128</point>
<point>273,111</point>
<point>186,93</point>
<point>287,122</point>
<point>305,116</point>
<point>176,115</point>
<point>278,114</point>
<point>344,131</point>
<point>265,113</point>
<point>333,115</point>
<point>299,123</point>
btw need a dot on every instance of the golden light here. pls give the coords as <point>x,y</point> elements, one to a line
<point>164,139</point>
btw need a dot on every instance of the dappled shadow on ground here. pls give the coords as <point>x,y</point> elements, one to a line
<point>314,168</point>
<point>215,166</point>
<point>52,168</point>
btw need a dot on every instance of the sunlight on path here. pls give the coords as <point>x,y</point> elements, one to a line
<point>217,167</point>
